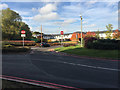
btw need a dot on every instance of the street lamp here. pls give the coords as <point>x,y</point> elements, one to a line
<point>81,29</point>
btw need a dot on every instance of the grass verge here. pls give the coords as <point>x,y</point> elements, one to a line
<point>13,84</point>
<point>16,50</point>
<point>77,50</point>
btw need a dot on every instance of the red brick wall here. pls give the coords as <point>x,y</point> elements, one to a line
<point>73,38</point>
<point>90,34</point>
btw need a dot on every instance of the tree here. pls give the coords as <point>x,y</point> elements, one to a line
<point>97,34</point>
<point>10,21</point>
<point>12,24</point>
<point>36,33</point>
<point>109,31</point>
<point>27,29</point>
<point>116,34</point>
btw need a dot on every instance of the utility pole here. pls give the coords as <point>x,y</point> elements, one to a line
<point>81,30</point>
<point>41,34</point>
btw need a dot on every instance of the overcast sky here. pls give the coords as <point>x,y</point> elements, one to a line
<point>57,16</point>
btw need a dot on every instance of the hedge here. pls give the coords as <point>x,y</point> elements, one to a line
<point>88,41</point>
<point>67,45</point>
<point>103,44</point>
<point>15,50</point>
<point>19,43</point>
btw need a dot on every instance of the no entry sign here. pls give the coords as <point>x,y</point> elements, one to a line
<point>23,32</point>
<point>23,35</point>
<point>62,32</point>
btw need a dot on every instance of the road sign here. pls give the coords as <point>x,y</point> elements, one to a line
<point>62,32</point>
<point>23,32</point>
<point>23,35</point>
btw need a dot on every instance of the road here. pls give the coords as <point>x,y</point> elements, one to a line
<point>64,70</point>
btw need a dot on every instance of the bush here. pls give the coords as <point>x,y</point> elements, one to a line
<point>37,45</point>
<point>15,50</point>
<point>54,44</point>
<point>7,46</point>
<point>39,40</point>
<point>67,45</point>
<point>20,43</point>
<point>88,41</point>
<point>104,44</point>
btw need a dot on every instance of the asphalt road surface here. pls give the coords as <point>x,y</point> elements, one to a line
<point>64,70</point>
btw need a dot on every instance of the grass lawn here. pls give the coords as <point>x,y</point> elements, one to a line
<point>77,50</point>
<point>13,84</point>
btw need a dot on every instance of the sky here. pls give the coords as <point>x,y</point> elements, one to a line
<point>57,16</point>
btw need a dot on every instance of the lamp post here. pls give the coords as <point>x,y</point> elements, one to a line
<point>81,30</point>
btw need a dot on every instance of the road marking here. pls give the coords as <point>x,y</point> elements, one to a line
<point>83,65</point>
<point>93,66</point>
<point>39,83</point>
<point>86,65</point>
<point>32,83</point>
<point>108,69</point>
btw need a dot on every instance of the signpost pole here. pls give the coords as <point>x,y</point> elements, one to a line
<point>61,39</point>
<point>23,42</point>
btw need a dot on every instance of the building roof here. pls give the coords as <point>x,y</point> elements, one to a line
<point>73,32</point>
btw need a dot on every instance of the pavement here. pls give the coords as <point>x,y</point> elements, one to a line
<point>43,65</point>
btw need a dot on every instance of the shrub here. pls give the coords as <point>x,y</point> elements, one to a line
<point>20,42</point>
<point>104,44</point>
<point>88,41</point>
<point>107,44</point>
<point>67,45</point>
<point>54,44</point>
<point>37,45</point>
<point>15,50</point>
<point>7,46</point>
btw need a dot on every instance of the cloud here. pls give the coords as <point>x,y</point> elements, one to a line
<point>35,29</point>
<point>89,26</point>
<point>27,17</point>
<point>91,2</point>
<point>22,12</point>
<point>48,9</point>
<point>47,13</point>
<point>46,17</point>
<point>84,22</point>
<point>31,28</point>
<point>69,21</point>
<point>3,6</point>
<point>34,9</point>
<point>66,22</point>
<point>58,0</point>
<point>51,16</point>
<point>50,0</point>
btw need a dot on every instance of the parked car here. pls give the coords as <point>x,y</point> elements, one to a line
<point>44,44</point>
